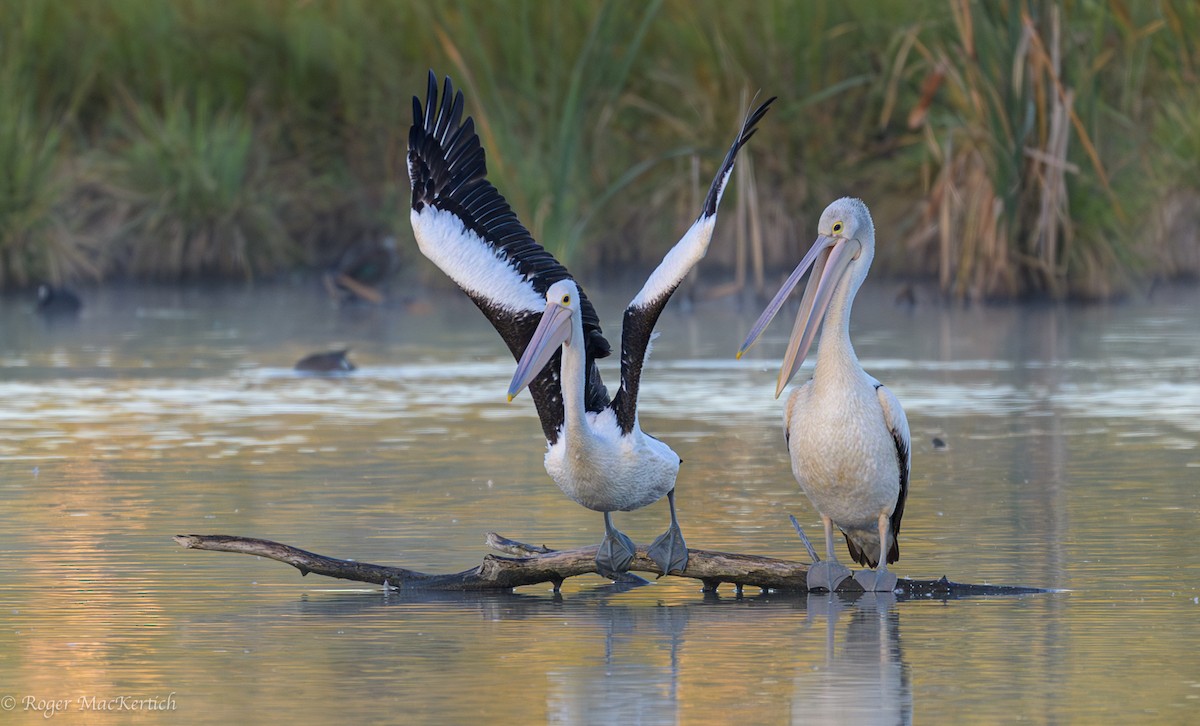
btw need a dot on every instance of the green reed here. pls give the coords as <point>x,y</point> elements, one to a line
<point>1007,147</point>
<point>1036,145</point>
<point>196,196</point>
<point>36,242</point>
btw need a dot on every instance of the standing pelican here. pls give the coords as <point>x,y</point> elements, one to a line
<point>846,432</point>
<point>596,451</point>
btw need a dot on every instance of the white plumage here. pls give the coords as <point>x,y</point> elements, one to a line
<point>448,243</point>
<point>847,433</point>
<point>597,452</point>
<point>594,462</point>
<point>681,258</point>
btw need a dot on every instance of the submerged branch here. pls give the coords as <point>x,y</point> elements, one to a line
<point>533,565</point>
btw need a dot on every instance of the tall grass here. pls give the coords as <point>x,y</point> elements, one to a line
<point>1031,151</point>
<point>36,238</point>
<point>549,123</point>
<point>1007,147</point>
<point>194,194</point>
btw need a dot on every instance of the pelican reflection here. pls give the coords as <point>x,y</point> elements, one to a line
<point>864,679</point>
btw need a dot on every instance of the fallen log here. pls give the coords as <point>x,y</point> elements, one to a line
<point>532,565</point>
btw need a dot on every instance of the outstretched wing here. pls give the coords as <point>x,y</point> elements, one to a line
<point>643,311</point>
<point>897,423</point>
<point>466,228</point>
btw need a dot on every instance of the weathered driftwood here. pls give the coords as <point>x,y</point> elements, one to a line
<point>531,565</point>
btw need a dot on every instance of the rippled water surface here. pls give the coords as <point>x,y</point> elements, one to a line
<point>1071,463</point>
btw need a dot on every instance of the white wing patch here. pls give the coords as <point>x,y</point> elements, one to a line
<point>893,416</point>
<point>650,346</point>
<point>471,262</point>
<point>679,261</point>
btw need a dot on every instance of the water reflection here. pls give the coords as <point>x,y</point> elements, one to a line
<point>838,658</point>
<point>864,678</point>
<point>831,658</point>
<point>1071,463</point>
<point>623,686</point>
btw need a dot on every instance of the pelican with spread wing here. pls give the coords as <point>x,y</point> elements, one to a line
<point>596,451</point>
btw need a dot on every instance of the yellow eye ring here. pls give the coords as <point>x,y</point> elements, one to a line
<point>566,299</point>
<point>837,227</point>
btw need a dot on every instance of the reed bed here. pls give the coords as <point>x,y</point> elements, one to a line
<point>1009,148</point>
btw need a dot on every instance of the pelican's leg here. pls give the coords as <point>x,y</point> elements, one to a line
<point>828,573</point>
<point>879,579</point>
<point>669,550</point>
<point>616,551</point>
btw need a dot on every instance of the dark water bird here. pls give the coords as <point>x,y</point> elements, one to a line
<point>596,450</point>
<point>362,268</point>
<point>56,301</point>
<point>846,432</point>
<point>332,361</point>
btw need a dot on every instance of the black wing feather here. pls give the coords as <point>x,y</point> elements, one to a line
<point>749,128</point>
<point>637,327</point>
<point>902,454</point>
<point>448,170</point>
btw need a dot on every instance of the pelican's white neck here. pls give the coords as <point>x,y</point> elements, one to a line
<point>835,350</point>
<point>572,378</point>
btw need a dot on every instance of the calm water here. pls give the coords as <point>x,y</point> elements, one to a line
<point>1071,463</point>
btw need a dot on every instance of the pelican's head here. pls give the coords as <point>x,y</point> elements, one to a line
<point>841,256</point>
<point>561,325</point>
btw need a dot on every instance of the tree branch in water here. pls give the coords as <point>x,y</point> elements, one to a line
<point>532,565</point>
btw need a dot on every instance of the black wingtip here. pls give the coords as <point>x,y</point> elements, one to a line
<point>749,128</point>
<point>752,119</point>
<point>430,99</point>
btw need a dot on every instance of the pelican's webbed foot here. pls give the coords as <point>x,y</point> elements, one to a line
<point>827,575</point>
<point>616,551</point>
<point>669,551</point>
<point>880,580</point>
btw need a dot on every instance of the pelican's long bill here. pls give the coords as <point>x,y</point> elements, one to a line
<point>829,257</point>
<point>551,333</point>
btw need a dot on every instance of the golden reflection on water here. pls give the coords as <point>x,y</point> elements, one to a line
<point>1071,463</point>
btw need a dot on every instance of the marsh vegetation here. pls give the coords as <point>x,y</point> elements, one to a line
<point>1011,148</point>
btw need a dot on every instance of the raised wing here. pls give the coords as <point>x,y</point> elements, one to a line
<point>897,423</point>
<point>642,313</point>
<point>466,228</point>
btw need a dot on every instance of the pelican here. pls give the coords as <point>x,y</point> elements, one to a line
<point>596,451</point>
<point>846,432</point>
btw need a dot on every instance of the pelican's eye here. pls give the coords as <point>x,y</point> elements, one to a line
<point>838,227</point>
<point>566,299</point>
